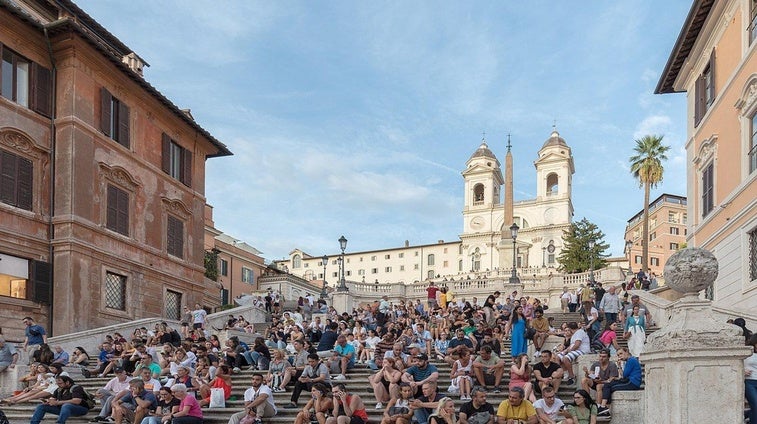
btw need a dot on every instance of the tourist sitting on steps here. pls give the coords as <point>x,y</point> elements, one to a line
<point>321,403</point>
<point>314,372</point>
<point>68,400</point>
<point>258,402</point>
<point>398,409</point>
<point>631,380</point>
<point>348,407</point>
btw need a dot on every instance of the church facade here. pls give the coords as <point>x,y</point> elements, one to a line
<point>485,244</point>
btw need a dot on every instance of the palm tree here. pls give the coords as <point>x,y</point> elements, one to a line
<point>646,166</point>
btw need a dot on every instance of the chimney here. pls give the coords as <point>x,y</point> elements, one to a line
<point>135,63</point>
<point>407,243</point>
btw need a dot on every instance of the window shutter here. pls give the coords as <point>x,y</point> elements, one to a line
<point>123,124</point>
<point>42,281</point>
<point>122,209</point>
<point>105,101</point>
<point>166,154</point>
<point>8,178</point>
<point>25,183</point>
<point>699,99</point>
<point>186,167</point>
<point>713,86</point>
<point>112,213</point>
<point>175,237</point>
<point>42,86</point>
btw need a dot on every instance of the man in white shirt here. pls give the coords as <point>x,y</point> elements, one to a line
<point>579,345</point>
<point>610,305</point>
<point>258,402</point>
<point>548,408</point>
<point>114,389</point>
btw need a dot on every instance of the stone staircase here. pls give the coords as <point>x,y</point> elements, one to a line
<point>357,383</point>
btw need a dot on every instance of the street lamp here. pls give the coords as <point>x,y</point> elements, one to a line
<point>342,284</point>
<point>324,262</point>
<point>514,233</point>
<point>544,257</point>
<point>591,261</point>
<point>629,245</point>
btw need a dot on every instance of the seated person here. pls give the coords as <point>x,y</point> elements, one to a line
<point>547,373</point>
<point>488,369</point>
<point>579,345</point>
<point>516,409</point>
<point>631,380</point>
<point>549,407</point>
<point>601,372</point>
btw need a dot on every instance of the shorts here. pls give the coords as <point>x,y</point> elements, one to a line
<point>572,355</point>
<point>197,325</point>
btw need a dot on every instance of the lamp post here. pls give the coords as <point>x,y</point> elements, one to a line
<point>514,233</point>
<point>342,284</point>
<point>629,245</point>
<point>544,257</point>
<point>591,261</point>
<point>324,262</point>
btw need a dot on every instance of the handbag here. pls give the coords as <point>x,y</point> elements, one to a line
<point>217,399</point>
<point>529,333</point>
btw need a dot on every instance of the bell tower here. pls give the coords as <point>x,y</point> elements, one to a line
<point>554,176</point>
<point>483,182</point>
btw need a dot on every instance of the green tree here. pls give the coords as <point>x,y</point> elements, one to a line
<point>211,264</point>
<point>576,254</point>
<point>646,167</point>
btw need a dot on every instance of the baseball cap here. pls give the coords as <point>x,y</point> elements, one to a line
<point>422,356</point>
<point>118,370</point>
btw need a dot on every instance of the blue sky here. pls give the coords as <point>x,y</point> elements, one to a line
<point>356,117</point>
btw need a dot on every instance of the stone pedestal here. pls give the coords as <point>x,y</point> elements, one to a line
<point>694,366</point>
<point>342,301</point>
<point>505,249</point>
<point>626,406</point>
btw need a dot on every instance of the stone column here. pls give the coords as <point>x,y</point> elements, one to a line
<point>694,366</point>
<point>342,301</point>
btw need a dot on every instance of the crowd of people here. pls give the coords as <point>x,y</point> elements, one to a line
<point>166,375</point>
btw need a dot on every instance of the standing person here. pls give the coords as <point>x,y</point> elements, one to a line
<point>258,402</point>
<point>610,305</point>
<point>635,332</point>
<point>750,383</point>
<point>431,291</point>
<point>518,332</point>
<point>189,411</point>
<point>478,410</point>
<point>348,407</point>
<point>490,305</point>
<point>68,400</point>
<point>34,336</point>
<point>198,317</point>
<point>564,299</point>
<point>8,356</point>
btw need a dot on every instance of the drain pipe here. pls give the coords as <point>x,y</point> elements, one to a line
<point>50,225</point>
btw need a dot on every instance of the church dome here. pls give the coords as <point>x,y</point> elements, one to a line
<point>483,152</point>
<point>555,140</point>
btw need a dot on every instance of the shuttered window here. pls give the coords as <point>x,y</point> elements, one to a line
<point>176,160</point>
<point>25,82</point>
<point>708,189</point>
<point>704,90</point>
<point>175,237</point>
<point>16,180</point>
<point>118,210</point>
<point>114,118</point>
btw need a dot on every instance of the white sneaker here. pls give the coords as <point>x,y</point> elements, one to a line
<point>379,405</point>
<point>339,377</point>
<point>236,370</point>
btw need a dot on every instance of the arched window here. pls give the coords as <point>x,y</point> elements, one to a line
<point>430,259</point>
<point>430,273</point>
<point>478,194</point>
<point>552,185</point>
<point>460,265</point>
<point>296,261</point>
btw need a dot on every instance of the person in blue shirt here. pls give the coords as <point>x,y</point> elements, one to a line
<point>134,405</point>
<point>420,373</point>
<point>343,358</point>
<point>631,380</point>
<point>34,336</point>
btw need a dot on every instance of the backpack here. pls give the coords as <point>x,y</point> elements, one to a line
<point>87,401</point>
